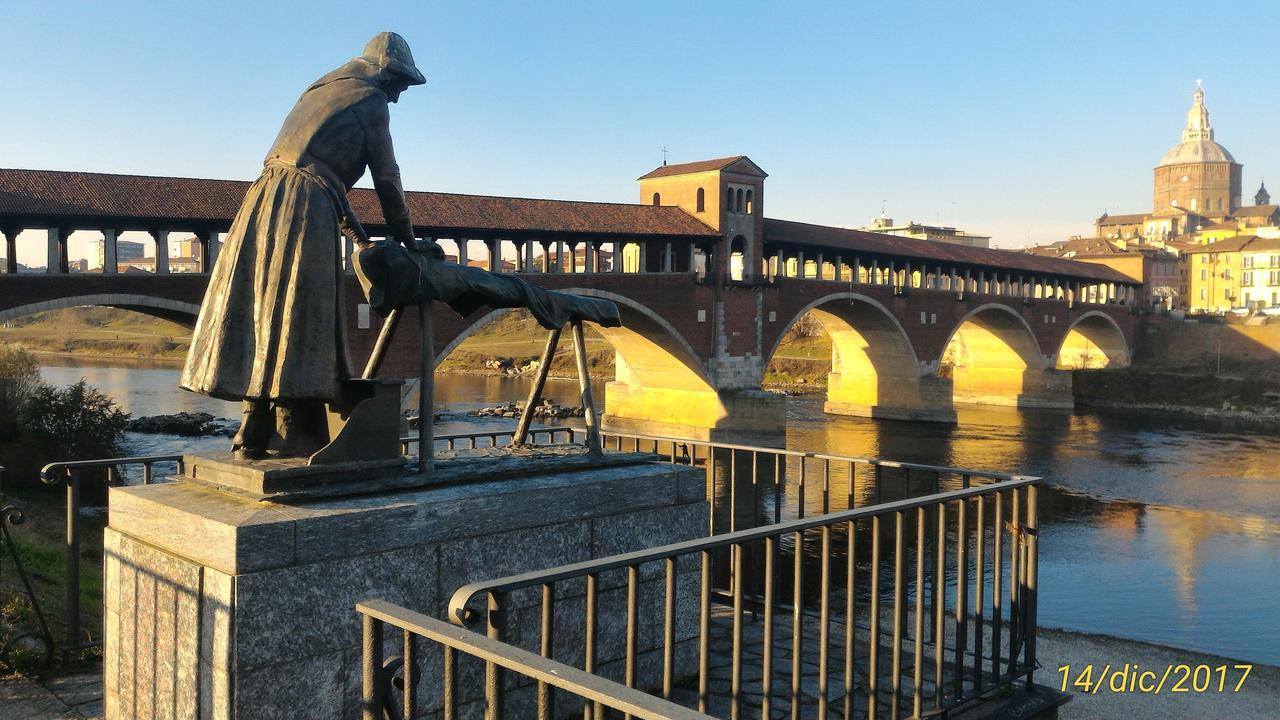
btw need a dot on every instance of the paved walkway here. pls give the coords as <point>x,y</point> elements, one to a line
<point>74,697</point>
<point>79,697</point>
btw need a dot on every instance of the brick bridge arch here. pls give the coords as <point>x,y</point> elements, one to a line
<point>651,352</point>
<point>875,371</point>
<point>1094,340</point>
<point>178,311</point>
<point>993,357</point>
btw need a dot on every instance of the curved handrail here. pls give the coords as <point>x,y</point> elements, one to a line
<point>462,597</point>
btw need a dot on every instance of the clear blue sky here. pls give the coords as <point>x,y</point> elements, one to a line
<point>1021,120</point>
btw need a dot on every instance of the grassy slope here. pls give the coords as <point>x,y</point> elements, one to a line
<point>99,332</point>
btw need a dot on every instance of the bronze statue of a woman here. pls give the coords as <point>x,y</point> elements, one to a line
<point>269,331</point>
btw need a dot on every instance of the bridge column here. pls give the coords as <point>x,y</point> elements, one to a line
<point>162,251</point>
<point>53,261</point>
<point>110,261</point>
<point>11,249</point>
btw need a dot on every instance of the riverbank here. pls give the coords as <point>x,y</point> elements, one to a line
<point>97,334</point>
<point>1249,398</point>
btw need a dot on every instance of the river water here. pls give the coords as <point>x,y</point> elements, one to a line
<point>1155,527</point>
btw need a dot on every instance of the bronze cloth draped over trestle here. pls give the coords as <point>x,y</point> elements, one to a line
<point>394,277</point>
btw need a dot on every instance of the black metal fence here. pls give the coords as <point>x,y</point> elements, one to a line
<point>917,605</point>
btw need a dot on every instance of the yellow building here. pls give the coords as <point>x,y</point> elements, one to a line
<point>1237,272</point>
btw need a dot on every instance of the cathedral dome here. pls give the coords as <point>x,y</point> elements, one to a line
<point>1197,144</point>
<point>1196,151</point>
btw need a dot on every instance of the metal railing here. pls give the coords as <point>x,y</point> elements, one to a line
<point>957,628</point>
<point>377,704</point>
<point>74,473</point>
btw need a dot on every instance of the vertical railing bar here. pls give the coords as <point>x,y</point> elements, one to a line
<point>797,621</point>
<point>494,692</point>
<point>803,486</point>
<point>546,695</point>
<point>669,629</point>
<point>779,480</point>
<point>979,597</point>
<point>826,486</point>
<point>410,674</point>
<point>592,624</point>
<point>873,637</point>
<point>372,689</point>
<point>733,490</point>
<point>450,691</point>
<point>899,549</point>
<point>824,620</point>
<point>1015,551</point>
<point>146,473</point>
<point>962,594</point>
<point>997,565</point>
<point>72,566</point>
<point>735,669</point>
<point>633,591</point>
<point>851,608</point>
<point>704,631</point>
<point>766,661</point>
<point>1033,569</point>
<point>711,486</point>
<point>940,612</point>
<point>917,687</point>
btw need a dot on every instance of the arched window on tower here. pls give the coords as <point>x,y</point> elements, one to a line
<point>748,206</point>
<point>738,203</point>
<point>702,200</point>
<point>728,200</point>
<point>657,199</point>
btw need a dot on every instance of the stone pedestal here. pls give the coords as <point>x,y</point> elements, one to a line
<point>218,606</point>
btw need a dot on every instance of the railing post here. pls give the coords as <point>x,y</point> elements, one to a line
<point>1029,611</point>
<point>494,694</point>
<point>373,695</point>
<point>72,569</point>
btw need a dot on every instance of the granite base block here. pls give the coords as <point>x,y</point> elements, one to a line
<point>220,606</point>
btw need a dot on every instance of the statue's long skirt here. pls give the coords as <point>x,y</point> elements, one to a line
<point>269,326</point>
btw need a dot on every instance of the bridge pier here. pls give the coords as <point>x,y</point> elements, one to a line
<point>915,397</point>
<point>694,414</point>
<point>1013,387</point>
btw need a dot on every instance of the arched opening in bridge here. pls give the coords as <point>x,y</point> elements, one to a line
<point>1094,341</point>
<point>855,345</point>
<point>992,358</point>
<point>737,257</point>
<point>653,381</point>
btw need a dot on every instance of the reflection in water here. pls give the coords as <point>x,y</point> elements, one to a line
<point>1159,528</point>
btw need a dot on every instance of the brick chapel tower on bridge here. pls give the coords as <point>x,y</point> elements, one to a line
<point>727,194</point>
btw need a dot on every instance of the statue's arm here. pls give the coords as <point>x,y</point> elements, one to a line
<point>386,173</point>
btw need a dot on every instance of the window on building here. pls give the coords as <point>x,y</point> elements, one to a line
<point>728,200</point>
<point>1204,294</point>
<point>739,202</point>
<point>1226,293</point>
<point>1204,273</point>
<point>702,200</point>
<point>749,201</point>
<point>1219,203</point>
<point>1193,203</point>
<point>657,199</point>
<point>1273,278</point>
<point>1246,278</point>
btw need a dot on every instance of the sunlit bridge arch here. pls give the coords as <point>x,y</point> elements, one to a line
<point>650,352</point>
<point>1094,340</point>
<point>182,313</point>
<point>992,357</point>
<point>875,371</point>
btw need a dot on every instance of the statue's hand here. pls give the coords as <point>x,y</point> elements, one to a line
<point>353,231</point>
